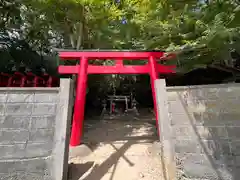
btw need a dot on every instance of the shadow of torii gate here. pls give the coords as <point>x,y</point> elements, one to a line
<point>152,68</point>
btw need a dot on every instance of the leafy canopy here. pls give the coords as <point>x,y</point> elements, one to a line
<point>200,31</point>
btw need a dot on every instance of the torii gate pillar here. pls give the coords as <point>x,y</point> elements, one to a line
<point>79,108</point>
<point>153,77</point>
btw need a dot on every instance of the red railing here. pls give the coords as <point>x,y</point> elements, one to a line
<point>18,79</point>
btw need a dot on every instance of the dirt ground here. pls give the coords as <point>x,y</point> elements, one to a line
<point>119,148</point>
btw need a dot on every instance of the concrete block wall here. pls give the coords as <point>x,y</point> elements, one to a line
<point>204,130</point>
<point>28,133</point>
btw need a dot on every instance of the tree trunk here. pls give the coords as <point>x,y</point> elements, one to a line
<point>80,36</point>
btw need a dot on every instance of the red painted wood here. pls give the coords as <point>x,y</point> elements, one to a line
<point>109,55</point>
<point>78,116</point>
<point>119,63</point>
<point>153,77</point>
<point>118,69</point>
<point>151,68</point>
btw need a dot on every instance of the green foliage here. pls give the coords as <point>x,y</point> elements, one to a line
<point>200,32</point>
<point>9,14</point>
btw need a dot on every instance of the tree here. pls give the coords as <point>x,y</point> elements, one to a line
<point>201,32</point>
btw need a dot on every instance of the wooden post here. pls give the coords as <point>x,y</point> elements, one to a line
<point>153,77</point>
<point>78,117</point>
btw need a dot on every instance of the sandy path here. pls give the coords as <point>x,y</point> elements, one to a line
<point>121,150</point>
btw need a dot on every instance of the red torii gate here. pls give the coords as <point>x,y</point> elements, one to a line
<point>152,68</point>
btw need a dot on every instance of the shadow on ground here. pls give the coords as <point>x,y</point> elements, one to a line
<point>77,170</point>
<point>127,131</point>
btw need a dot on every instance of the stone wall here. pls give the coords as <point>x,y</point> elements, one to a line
<point>204,130</point>
<point>30,132</point>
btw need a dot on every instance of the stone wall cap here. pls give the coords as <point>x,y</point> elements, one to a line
<point>174,88</point>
